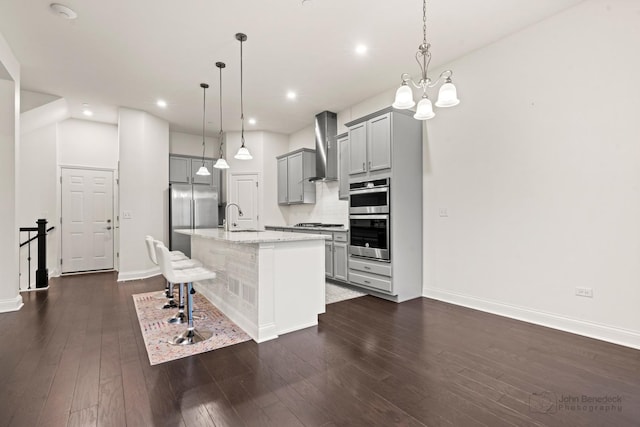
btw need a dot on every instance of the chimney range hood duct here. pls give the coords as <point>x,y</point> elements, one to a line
<point>326,127</point>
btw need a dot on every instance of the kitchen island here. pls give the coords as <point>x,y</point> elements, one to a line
<point>268,282</point>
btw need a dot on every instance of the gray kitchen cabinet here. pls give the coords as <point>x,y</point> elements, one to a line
<point>358,148</point>
<point>370,145</point>
<point>393,142</point>
<point>328,258</point>
<point>294,171</point>
<point>343,166</point>
<point>182,170</point>
<point>379,142</point>
<point>282,181</point>
<point>340,264</point>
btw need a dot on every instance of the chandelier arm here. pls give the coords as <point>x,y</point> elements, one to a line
<point>444,76</point>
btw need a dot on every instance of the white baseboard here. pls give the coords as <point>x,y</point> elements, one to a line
<point>11,304</point>
<point>124,276</point>
<point>598,331</point>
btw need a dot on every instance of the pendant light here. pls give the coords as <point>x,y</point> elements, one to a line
<point>447,96</point>
<point>203,171</point>
<point>243,152</point>
<point>221,163</point>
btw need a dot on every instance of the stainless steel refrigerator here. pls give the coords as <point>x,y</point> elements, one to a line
<point>191,206</point>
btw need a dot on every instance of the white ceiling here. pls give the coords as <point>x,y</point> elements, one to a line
<point>130,53</point>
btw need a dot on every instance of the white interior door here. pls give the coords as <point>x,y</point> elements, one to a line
<point>87,220</point>
<point>243,191</point>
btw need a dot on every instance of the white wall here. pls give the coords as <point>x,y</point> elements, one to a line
<point>274,144</point>
<point>191,145</point>
<point>38,197</point>
<point>541,182</point>
<point>264,147</point>
<point>87,143</point>
<point>10,298</point>
<point>144,178</point>
<point>538,170</point>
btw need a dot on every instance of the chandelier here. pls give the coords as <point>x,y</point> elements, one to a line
<point>447,95</point>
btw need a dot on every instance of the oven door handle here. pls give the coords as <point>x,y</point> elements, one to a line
<point>370,190</point>
<point>368,216</point>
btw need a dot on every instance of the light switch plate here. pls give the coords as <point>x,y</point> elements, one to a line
<point>443,212</point>
<point>126,215</point>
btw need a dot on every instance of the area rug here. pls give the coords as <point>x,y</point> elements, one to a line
<point>156,331</point>
<point>336,293</point>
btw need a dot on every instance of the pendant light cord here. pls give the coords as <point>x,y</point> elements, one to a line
<point>221,133</point>
<point>204,106</point>
<point>241,96</point>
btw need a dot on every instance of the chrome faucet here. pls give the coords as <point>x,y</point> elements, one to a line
<point>226,216</point>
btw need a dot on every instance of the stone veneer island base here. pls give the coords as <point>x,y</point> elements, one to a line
<point>268,282</point>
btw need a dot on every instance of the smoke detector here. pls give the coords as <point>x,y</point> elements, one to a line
<point>63,11</point>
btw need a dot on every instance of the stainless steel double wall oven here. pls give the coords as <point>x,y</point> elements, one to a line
<point>369,214</point>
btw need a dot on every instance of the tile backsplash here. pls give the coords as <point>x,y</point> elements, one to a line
<point>327,209</point>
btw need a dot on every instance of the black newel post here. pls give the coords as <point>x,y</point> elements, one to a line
<point>42,274</point>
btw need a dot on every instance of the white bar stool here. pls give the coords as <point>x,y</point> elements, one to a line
<point>178,260</point>
<point>182,277</point>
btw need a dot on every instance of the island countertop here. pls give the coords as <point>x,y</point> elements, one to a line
<point>267,236</point>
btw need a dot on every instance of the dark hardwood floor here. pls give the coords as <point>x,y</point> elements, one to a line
<point>74,355</point>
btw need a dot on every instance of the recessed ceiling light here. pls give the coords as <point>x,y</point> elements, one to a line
<point>252,121</point>
<point>63,11</point>
<point>161,103</point>
<point>361,49</point>
<point>87,113</point>
<point>291,95</point>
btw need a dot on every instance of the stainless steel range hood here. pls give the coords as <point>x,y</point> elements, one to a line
<point>326,127</point>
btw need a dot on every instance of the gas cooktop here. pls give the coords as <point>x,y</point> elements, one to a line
<point>318,224</point>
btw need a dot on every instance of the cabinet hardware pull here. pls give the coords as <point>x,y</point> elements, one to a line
<point>369,164</point>
<point>367,268</point>
<point>366,281</point>
<point>363,166</point>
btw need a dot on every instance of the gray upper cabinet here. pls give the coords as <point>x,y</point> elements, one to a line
<point>379,142</point>
<point>358,148</point>
<point>294,171</point>
<point>182,170</point>
<point>343,166</point>
<point>295,178</point>
<point>282,181</point>
<point>370,145</point>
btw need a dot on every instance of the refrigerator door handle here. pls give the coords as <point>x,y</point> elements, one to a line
<point>193,215</point>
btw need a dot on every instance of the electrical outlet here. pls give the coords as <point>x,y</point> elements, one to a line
<point>584,292</point>
<point>443,212</point>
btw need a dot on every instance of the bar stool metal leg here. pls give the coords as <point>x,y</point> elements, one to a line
<point>171,303</point>
<point>191,335</point>
<point>179,317</point>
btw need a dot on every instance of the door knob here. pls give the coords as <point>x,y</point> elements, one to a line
<point>109,228</point>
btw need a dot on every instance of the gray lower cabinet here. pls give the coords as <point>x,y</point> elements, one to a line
<point>340,261</point>
<point>328,258</point>
<point>371,274</point>
<point>294,171</point>
<point>343,166</point>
